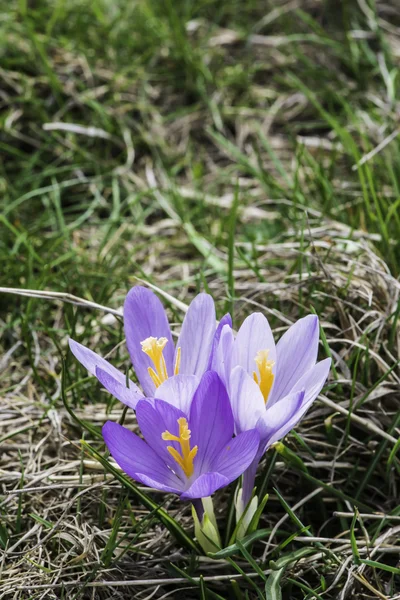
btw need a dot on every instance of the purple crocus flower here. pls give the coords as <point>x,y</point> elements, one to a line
<point>190,453</point>
<point>270,387</point>
<point>153,353</point>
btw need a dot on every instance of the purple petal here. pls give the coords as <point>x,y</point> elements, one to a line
<point>246,400</point>
<point>254,335</point>
<point>226,320</point>
<point>157,485</point>
<point>204,486</point>
<point>210,421</point>
<point>238,455</point>
<point>312,382</point>
<point>197,335</point>
<point>154,418</point>
<point>296,353</point>
<point>137,459</point>
<point>144,316</point>
<point>91,361</point>
<point>222,358</point>
<point>129,396</point>
<point>279,417</point>
<point>178,391</point>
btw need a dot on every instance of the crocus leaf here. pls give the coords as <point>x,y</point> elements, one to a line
<point>242,516</point>
<point>206,532</point>
<point>250,560</point>
<point>203,589</point>
<point>236,590</point>
<point>291,557</point>
<point>273,589</point>
<point>256,517</point>
<point>246,541</point>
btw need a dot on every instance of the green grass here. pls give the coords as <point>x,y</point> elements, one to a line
<point>199,145</point>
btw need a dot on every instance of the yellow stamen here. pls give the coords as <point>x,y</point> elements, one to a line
<point>154,347</point>
<point>265,379</point>
<point>177,361</point>
<point>186,458</point>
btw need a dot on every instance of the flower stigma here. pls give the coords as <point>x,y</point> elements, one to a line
<point>265,379</point>
<point>154,347</point>
<point>186,458</point>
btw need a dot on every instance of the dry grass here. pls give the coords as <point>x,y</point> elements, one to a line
<point>123,162</point>
<point>65,505</point>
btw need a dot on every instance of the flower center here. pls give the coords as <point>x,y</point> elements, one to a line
<point>265,376</point>
<point>154,347</point>
<point>186,457</point>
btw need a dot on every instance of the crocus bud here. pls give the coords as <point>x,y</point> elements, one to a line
<point>244,514</point>
<point>206,531</point>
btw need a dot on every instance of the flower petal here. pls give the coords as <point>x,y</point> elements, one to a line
<point>204,486</point>
<point>197,335</point>
<point>279,417</point>
<point>91,361</point>
<point>178,391</point>
<point>312,382</point>
<point>296,353</point>
<point>238,455</point>
<point>254,335</point>
<point>154,418</point>
<point>246,400</point>
<point>222,358</point>
<point>127,395</point>
<point>226,320</point>
<point>137,459</point>
<point>157,485</point>
<point>210,421</point>
<point>144,316</point>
